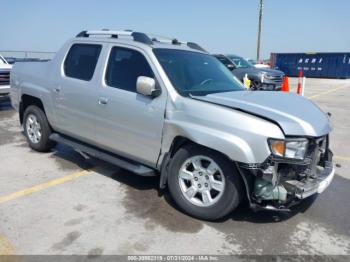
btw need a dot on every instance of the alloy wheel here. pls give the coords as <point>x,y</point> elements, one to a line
<point>201,181</point>
<point>33,129</point>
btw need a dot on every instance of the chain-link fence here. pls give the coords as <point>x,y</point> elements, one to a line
<point>22,56</point>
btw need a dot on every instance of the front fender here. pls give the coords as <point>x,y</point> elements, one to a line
<point>256,78</point>
<point>233,146</point>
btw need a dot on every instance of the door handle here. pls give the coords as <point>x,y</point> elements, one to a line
<point>103,101</point>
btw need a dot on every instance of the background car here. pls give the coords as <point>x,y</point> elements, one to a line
<point>258,64</point>
<point>261,78</point>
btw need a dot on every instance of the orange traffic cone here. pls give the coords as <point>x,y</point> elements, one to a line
<point>285,84</point>
<point>300,78</point>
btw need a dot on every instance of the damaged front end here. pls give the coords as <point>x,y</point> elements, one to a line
<point>280,182</point>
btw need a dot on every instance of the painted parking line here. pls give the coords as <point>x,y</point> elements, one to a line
<point>326,92</point>
<point>6,248</point>
<point>43,186</point>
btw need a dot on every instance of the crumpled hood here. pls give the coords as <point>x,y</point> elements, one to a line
<point>296,115</point>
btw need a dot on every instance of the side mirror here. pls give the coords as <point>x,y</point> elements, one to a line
<point>147,86</point>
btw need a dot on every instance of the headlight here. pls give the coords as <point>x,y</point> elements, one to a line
<point>289,148</point>
<point>266,76</point>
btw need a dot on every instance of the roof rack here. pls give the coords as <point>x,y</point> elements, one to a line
<point>177,42</point>
<point>196,46</point>
<point>139,37</point>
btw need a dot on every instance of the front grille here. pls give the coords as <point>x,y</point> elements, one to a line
<point>277,79</point>
<point>4,78</point>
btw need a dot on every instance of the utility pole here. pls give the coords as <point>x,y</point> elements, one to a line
<point>261,5</point>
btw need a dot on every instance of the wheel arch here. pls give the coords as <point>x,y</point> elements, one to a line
<point>27,100</point>
<point>181,141</point>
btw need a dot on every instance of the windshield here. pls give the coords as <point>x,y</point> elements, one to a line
<point>224,60</point>
<point>252,61</point>
<point>193,73</point>
<point>240,62</point>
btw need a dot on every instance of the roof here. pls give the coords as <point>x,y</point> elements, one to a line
<point>233,55</point>
<point>137,39</point>
<point>227,55</point>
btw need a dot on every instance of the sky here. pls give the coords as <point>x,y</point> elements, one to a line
<point>221,26</point>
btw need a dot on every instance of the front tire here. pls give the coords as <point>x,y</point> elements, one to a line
<point>204,183</point>
<point>37,129</point>
<point>255,86</point>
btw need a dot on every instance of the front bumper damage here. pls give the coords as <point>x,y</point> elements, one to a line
<point>278,184</point>
<point>314,185</point>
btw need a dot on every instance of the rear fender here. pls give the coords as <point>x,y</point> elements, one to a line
<point>42,94</point>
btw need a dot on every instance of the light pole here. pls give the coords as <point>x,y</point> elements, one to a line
<point>261,5</point>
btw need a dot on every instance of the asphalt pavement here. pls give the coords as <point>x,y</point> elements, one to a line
<point>60,203</point>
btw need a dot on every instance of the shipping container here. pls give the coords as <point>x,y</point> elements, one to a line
<point>321,65</point>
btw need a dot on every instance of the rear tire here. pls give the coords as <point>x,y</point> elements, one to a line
<point>37,129</point>
<point>213,197</point>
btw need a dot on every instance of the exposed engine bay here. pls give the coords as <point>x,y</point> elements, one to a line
<point>279,183</point>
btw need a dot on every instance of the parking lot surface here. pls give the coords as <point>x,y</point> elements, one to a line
<point>60,203</point>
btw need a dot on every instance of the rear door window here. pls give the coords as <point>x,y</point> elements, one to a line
<point>81,61</point>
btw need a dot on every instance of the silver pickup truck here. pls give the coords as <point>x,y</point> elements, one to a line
<point>158,106</point>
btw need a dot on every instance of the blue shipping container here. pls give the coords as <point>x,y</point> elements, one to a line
<point>322,65</point>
